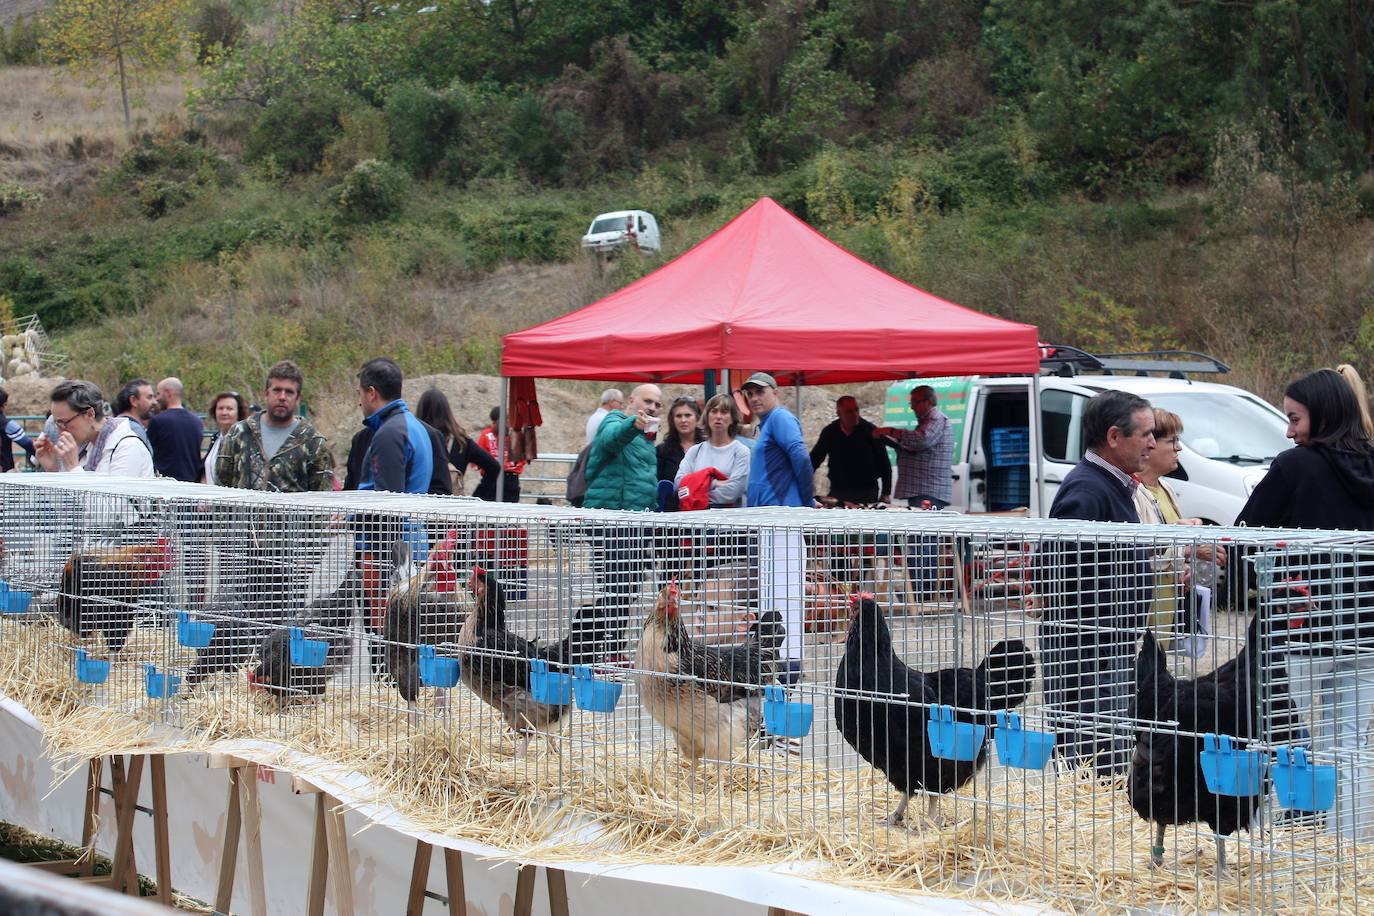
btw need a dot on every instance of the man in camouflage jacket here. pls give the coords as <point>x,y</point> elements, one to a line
<point>276,450</point>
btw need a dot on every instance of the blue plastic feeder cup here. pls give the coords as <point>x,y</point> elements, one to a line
<point>193,634</point>
<point>1301,785</point>
<point>13,601</point>
<point>437,671</point>
<point>1016,747</point>
<point>593,695</point>
<point>91,670</point>
<point>783,718</point>
<point>549,687</point>
<point>1228,771</point>
<point>308,653</point>
<point>951,739</point>
<point>161,685</point>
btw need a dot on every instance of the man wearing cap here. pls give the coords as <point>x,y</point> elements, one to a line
<point>780,474</point>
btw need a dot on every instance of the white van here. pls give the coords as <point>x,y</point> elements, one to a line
<point>609,231</point>
<point>1229,435</point>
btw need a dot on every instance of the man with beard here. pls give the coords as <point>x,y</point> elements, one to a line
<point>277,450</point>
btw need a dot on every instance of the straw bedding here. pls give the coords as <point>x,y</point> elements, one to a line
<point>1064,840</point>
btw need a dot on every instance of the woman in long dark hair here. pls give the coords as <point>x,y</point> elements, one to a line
<point>683,431</point>
<point>433,408</point>
<point>1326,482</point>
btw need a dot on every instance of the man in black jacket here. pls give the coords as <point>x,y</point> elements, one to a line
<point>860,471</point>
<point>1094,594</point>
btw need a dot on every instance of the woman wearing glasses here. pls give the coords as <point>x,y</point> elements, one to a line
<point>87,440</point>
<point>1157,504</point>
<point>226,409</point>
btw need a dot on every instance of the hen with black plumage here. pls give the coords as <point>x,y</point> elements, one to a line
<point>1166,785</point>
<point>327,618</point>
<point>891,734</point>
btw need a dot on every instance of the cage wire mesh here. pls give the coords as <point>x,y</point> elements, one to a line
<point>1092,714</point>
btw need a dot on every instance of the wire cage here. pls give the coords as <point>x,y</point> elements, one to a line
<point>1083,714</point>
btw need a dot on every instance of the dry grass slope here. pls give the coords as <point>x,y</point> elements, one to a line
<point>11,10</point>
<point>56,132</point>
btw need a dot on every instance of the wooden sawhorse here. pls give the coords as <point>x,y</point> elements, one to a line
<point>125,785</point>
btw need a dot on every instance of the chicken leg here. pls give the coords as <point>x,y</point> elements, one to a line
<point>895,818</point>
<point>933,811</point>
<point>1221,856</point>
<point>1157,851</point>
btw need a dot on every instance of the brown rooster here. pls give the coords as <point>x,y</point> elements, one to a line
<point>101,589</point>
<point>708,697</point>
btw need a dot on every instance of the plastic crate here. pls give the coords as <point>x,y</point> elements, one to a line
<point>1009,446</point>
<point>1008,488</point>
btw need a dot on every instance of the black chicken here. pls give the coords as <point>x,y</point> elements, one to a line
<point>327,618</point>
<point>496,662</point>
<point>891,734</point>
<point>1166,784</point>
<point>103,589</point>
<point>707,696</point>
<point>245,614</point>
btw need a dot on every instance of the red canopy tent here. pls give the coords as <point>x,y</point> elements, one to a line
<point>768,292</point>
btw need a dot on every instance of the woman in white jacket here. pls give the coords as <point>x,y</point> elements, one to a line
<point>87,440</point>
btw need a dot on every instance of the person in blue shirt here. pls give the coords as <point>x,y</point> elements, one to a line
<point>11,434</point>
<point>780,474</point>
<point>400,457</point>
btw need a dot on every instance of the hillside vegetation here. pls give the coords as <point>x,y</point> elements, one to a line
<point>347,178</point>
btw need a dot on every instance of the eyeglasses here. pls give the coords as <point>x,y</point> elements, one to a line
<point>1175,441</point>
<point>62,424</point>
<point>688,401</point>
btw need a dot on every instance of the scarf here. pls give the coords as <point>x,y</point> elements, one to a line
<point>97,448</point>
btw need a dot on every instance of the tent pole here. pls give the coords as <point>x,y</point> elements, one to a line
<point>1037,493</point>
<point>501,440</point>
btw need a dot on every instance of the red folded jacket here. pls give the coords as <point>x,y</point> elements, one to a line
<point>694,492</point>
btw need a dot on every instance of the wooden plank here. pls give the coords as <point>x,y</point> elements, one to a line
<point>301,787</point>
<point>457,891</point>
<point>70,868</point>
<point>124,868</point>
<point>419,878</point>
<point>161,838</point>
<point>340,869</point>
<point>229,849</point>
<point>524,890</point>
<point>558,891</point>
<point>91,818</point>
<point>319,862</point>
<point>250,807</point>
<point>225,762</point>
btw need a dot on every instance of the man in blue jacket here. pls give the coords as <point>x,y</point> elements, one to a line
<point>1094,594</point>
<point>400,457</point>
<point>780,474</point>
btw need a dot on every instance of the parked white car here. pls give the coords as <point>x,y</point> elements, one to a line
<point>1229,437</point>
<point>609,231</point>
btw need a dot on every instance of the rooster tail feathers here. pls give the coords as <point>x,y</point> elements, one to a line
<point>1003,679</point>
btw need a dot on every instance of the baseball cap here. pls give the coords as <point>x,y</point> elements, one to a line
<point>762,380</point>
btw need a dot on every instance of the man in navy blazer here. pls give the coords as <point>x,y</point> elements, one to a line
<point>1095,593</point>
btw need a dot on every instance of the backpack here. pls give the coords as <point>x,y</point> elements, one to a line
<point>577,478</point>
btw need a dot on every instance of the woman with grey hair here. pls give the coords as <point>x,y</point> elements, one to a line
<point>87,440</point>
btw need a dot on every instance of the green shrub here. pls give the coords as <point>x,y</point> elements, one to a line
<point>15,197</point>
<point>159,196</point>
<point>423,123</point>
<point>295,130</point>
<point>533,233</point>
<point>371,191</point>
<point>364,136</point>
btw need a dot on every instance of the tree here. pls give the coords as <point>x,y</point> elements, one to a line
<point>127,36</point>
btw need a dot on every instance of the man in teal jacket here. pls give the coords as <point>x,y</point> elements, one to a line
<point>622,467</point>
<point>622,472</point>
